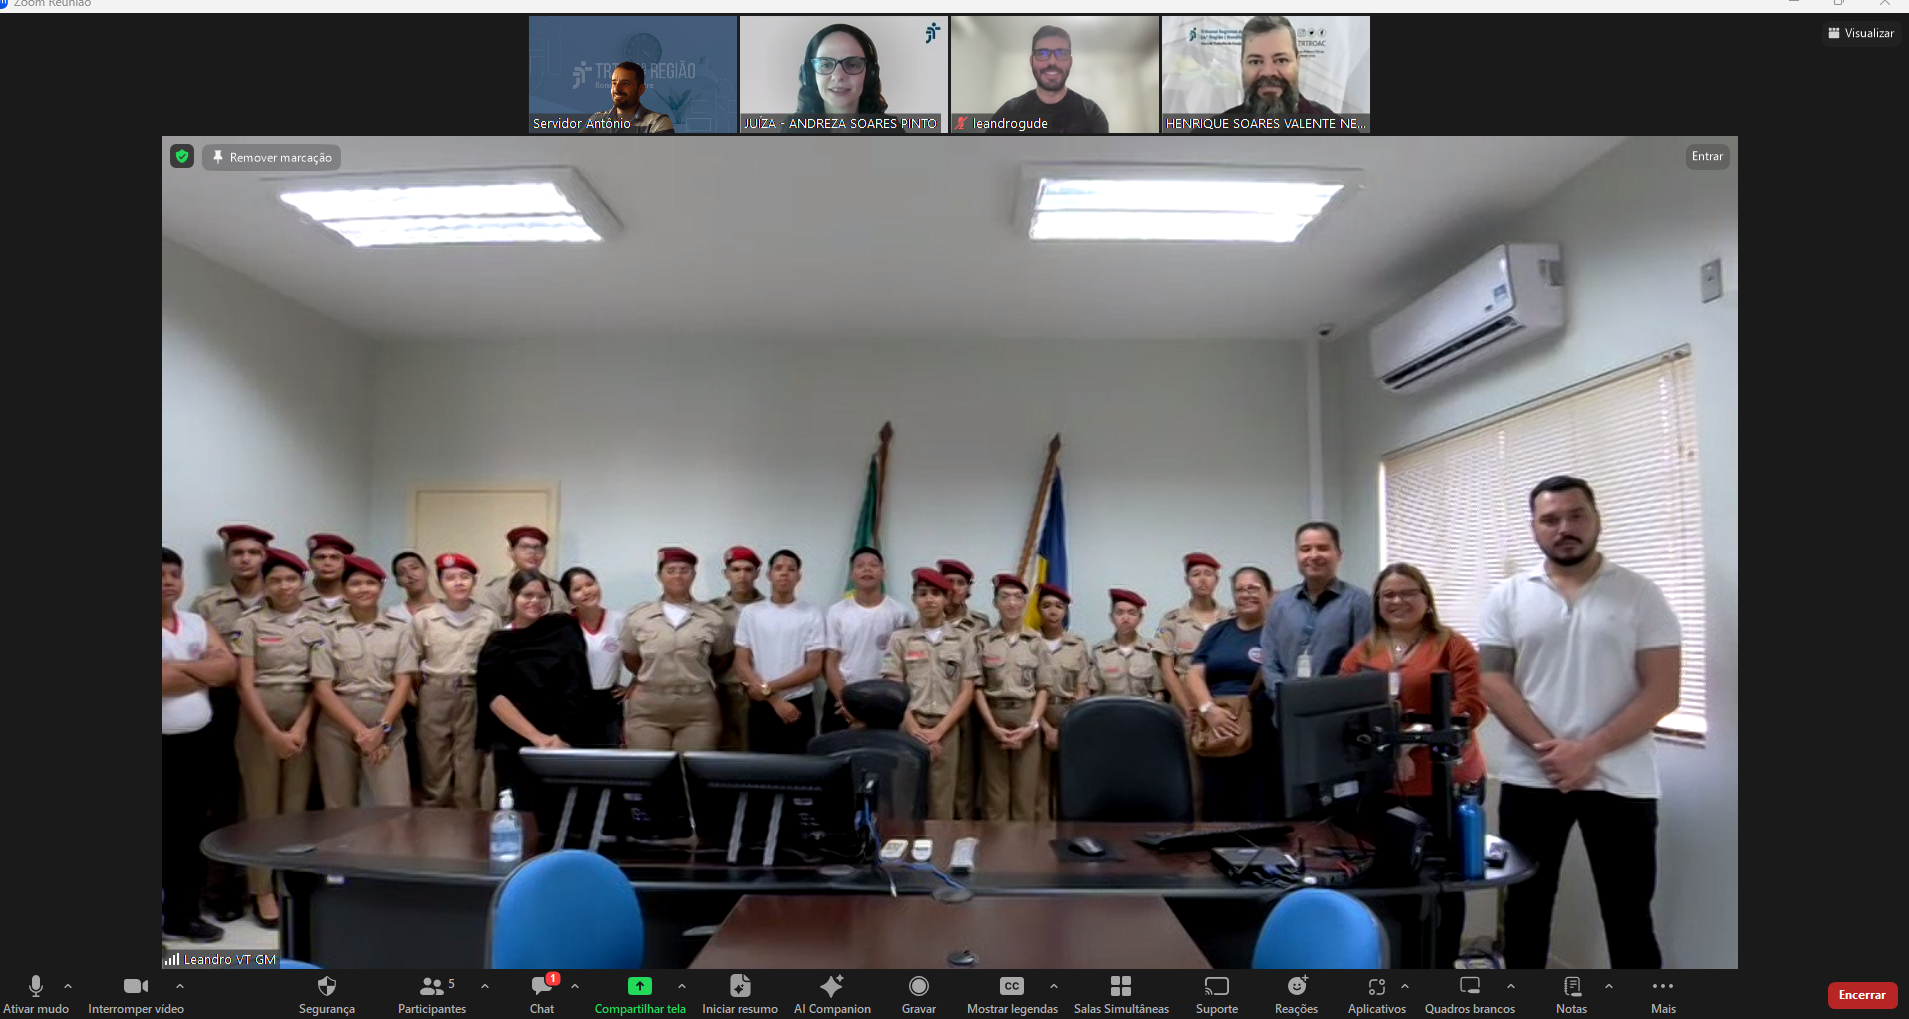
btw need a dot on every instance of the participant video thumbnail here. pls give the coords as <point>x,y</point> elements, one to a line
<point>1265,73</point>
<point>632,74</point>
<point>862,74</point>
<point>1055,74</point>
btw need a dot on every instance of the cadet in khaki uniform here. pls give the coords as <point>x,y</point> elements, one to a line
<point>221,607</point>
<point>1125,665</point>
<point>741,567</point>
<point>282,648</point>
<point>675,646</point>
<point>971,732</point>
<point>449,636</point>
<point>528,548</point>
<point>940,668</point>
<point>1071,661</point>
<point>1179,635</point>
<point>374,660</point>
<point>1017,673</point>
<point>326,592</point>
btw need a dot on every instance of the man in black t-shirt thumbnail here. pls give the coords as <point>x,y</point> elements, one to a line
<point>1064,110</point>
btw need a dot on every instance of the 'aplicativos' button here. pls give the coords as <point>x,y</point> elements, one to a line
<point>1862,995</point>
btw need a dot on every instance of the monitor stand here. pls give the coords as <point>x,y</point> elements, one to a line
<point>741,823</point>
<point>596,823</point>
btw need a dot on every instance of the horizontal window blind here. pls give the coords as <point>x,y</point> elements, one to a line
<point>1457,507</point>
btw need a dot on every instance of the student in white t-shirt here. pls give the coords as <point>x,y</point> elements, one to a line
<point>857,632</point>
<point>193,659</point>
<point>413,576</point>
<point>779,651</point>
<point>609,681</point>
<point>1579,660</point>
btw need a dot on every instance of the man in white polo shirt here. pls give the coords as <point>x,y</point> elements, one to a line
<point>858,629</point>
<point>1580,660</point>
<point>779,648</point>
<point>192,660</point>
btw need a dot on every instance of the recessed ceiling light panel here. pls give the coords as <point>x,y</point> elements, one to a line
<point>507,206</point>
<point>1177,203</point>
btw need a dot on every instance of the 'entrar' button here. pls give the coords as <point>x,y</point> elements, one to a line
<point>1862,995</point>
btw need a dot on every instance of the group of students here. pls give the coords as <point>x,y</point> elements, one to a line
<point>319,678</point>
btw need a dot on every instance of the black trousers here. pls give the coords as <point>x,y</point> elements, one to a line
<point>769,734</point>
<point>184,796</point>
<point>223,882</point>
<point>1244,788</point>
<point>1620,838</point>
<point>831,722</point>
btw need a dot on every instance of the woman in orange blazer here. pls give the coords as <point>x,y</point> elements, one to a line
<point>1408,639</point>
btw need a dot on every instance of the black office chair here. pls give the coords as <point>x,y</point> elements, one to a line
<point>899,762</point>
<point>1124,759</point>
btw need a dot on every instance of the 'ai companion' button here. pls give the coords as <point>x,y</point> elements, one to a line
<point>1866,995</point>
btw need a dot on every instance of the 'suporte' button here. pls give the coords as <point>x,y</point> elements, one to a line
<point>1876,994</point>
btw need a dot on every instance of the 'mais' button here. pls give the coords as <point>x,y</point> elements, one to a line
<point>1869,995</point>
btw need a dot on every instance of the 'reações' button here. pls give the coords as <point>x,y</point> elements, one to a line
<point>1875,994</point>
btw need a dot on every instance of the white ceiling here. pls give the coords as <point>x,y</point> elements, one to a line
<point>797,237</point>
<point>1088,31</point>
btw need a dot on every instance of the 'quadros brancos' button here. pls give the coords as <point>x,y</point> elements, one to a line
<point>1877,994</point>
<point>1707,157</point>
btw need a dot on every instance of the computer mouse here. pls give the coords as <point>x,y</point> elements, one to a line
<point>961,958</point>
<point>1088,846</point>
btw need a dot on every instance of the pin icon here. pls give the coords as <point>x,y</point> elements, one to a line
<point>553,978</point>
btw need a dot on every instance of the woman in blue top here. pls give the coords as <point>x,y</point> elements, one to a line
<point>1227,664</point>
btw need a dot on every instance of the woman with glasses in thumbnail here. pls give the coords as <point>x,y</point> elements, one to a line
<point>841,77</point>
<point>1409,644</point>
<point>283,645</point>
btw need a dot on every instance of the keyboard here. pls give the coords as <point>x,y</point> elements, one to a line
<point>1193,840</point>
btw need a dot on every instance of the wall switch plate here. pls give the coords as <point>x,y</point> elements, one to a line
<point>1710,280</point>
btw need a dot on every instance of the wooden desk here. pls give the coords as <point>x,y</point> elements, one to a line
<point>916,932</point>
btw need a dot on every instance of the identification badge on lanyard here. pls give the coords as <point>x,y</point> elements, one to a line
<point>1303,667</point>
<point>1393,682</point>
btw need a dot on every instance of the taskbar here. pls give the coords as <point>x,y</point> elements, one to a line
<point>208,990</point>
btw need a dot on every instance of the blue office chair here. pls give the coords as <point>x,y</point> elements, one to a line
<point>1318,928</point>
<point>284,963</point>
<point>568,909</point>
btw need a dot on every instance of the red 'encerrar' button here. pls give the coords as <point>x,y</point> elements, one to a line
<point>1868,995</point>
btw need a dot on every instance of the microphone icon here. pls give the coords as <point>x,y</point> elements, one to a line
<point>34,985</point>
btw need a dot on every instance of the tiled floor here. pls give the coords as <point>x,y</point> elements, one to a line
<point>243,934</point>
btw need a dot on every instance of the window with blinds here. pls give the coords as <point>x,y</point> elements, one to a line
<point>1457,506</point>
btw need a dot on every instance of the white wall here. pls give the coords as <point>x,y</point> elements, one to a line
<point>1635,227</point>
<point>1168,446</point>
<point>263,417</point>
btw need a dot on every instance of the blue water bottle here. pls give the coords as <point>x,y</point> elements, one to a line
<point>1471,838</point>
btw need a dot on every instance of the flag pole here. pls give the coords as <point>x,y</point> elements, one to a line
<point>1040,503</point>
<point>881,484</point>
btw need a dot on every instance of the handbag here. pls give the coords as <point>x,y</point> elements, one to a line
<point>1207,744</point>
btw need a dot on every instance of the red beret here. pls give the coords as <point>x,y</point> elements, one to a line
<point>1192,559</point>
<point>280,557</point>
<point>674,554</point>
<point>954,567</point>
<point>318,541</point>
<point>242,532</point>
<point>1057,591</point>
<point>935,579</point>
<point>359,564</point>
<point>1002,580</point>
<point>1120,594</point>
<point>518,534</point>
<point>741,552</point>
<point>454,561</point>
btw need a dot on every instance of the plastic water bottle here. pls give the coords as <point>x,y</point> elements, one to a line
<point>1471,838</point>
<point>507,831</point>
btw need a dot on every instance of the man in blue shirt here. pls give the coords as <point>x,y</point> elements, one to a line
<point>1315,622</point>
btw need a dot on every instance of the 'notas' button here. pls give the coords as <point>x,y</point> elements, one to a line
<point>1869,995</point>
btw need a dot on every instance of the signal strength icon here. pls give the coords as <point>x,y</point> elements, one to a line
<point>175,959</point>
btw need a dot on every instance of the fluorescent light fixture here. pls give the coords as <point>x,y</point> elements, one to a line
<point>1177,203</point>
<point>509,206</point>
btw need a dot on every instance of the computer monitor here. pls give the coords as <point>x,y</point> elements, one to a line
<point>794,808</point>
<point>1327,758</point>
<point>626,802</point>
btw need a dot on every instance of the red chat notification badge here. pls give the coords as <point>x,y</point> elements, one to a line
<point>1862,995</point>
<point>554,978</point>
